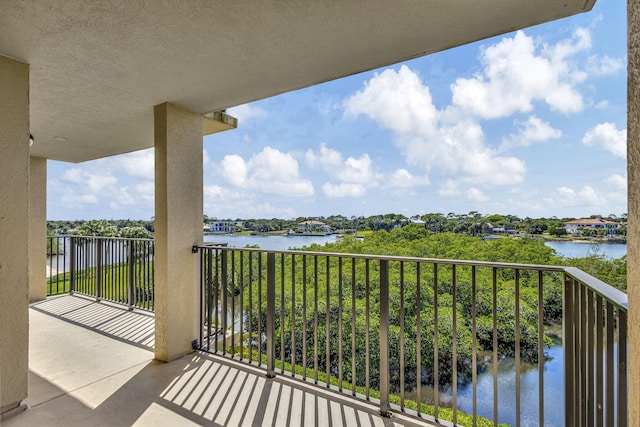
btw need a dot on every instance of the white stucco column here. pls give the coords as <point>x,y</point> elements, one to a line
<point>178,226</point>
<point>633,229</point>
<point>37,229</point>
<point>14,232</point>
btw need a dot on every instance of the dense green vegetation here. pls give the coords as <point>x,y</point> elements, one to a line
<point>105,228</point>
<point>342,308</point>
<point>115,283</point>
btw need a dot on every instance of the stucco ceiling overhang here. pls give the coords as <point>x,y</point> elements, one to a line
<point>97,68</point>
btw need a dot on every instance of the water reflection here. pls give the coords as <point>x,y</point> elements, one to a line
<point>529,389</point>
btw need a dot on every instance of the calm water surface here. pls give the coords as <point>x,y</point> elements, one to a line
<point>553,393</point>
<point>275,243</point>
<point>581,250</point>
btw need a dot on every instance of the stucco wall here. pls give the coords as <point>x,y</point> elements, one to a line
<point>37,228</point>
<point>178,226</point>
<point>14,232</point>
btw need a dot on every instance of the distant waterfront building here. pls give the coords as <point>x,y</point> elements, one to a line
<point>510,230</point>
<point>222,227</point>
<point>313,227</point>
<point>578,226</point>
<point>507,229</point>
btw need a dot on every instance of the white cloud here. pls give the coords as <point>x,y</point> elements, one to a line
<point>589,195</point>
<point>604,65</point>
<point>516,73</point>
<point>565,195</point>
<point>529,132</point>
<point>402,178</point>
<point>139,164</point>
<point>355,175</point>
<point>602,104</point>
<point>80,186</point>
<point>146,191</point>
<point>215,194</point>
<point>327,159</point>
<point>476,195</point>
<point>619,182</point>
<point>397,101</point>
<point>327,105</point>
<point>449,189</point>
<point>607,136</point>
<point>445,139</point>
<point>357,170</point>
<point>234,170</point>
<point>586,196</point>
<point>227,203</point>
<point>71,198</point>
<point>484,167</point>
<point>270,171</point>
<point>124,197</point>
<point>99,182</point>
<point>343,190</point>
<point>75,175</point>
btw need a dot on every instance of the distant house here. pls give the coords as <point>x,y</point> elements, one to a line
<point>313,226</point>
<point>579,226</point>
<point>507,229</point>
<point>491,229</point>
<point>222,227</point>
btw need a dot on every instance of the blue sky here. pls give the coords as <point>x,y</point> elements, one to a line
<point>531,123</point>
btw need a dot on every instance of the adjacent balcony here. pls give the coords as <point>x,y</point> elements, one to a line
<point>299,337</point>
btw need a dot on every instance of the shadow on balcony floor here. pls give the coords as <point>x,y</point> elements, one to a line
<point>133,327</point>
<point>80,377</point>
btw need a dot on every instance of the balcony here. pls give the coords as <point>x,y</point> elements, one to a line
<point>322,336</point>
<point>92,364</point>
<point>370,326</point>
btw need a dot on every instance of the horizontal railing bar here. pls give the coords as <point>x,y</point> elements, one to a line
<point>615,296</point>
<point>73,236</point>
<point>550,268</point>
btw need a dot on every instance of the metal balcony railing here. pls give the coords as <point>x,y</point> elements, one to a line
<point>406,332</point>
<point>112,269</point>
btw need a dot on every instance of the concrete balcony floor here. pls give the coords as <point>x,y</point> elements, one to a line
<point>91,364</point>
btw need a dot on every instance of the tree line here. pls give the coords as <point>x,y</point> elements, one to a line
<point>127,228</point>
<point>471,223</point>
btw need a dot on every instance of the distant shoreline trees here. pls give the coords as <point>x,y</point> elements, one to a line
<point>471,224</point>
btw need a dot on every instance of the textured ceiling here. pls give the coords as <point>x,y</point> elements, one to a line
<point>99,67</point>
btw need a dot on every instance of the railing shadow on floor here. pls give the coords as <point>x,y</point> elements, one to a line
<point>130,326</point>
<point>202,389</point>
<point>224,392</point>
